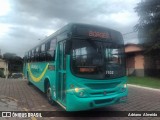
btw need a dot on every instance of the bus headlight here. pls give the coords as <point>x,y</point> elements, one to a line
<point>80,92</point>
<point>76,89</point>
<point>124,88</point>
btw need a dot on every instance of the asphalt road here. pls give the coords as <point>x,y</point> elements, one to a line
<point>16,95</point>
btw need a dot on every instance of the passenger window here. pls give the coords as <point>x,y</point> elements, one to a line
<point>37,54</point>
<point>48,45</point>
<point>52,44</point>
<point>34,55</point>
<point>43,53</point>
<point>43,48</point>
<point>25,57</point>
<point>29,56</point>
<point>37,49</point>
<point>52,50</point>
<point>32,58</point>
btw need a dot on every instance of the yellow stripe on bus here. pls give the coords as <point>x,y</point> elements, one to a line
<point>37,79</point>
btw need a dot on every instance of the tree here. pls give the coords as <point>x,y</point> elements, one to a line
<point>148,26</point>
<point>15,63</point>
<point>9,56</point>
<point>1,73</point>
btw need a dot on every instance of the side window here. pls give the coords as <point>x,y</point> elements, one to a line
<point>48,45</point>
<point>29,56</point>
<point>52,49</point>
<point>42,53</point>
<point>37,54</point>
<point>37,49</point>
<point>25,58</point>
<point>32,56</point>
<point>53,45</point>
<point>43,48</point>
<point>47,51</point>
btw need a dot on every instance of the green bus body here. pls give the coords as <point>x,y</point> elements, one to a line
<point>80,87</point>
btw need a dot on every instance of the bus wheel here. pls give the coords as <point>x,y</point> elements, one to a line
<point>28,82</point>
<point>49,94</point>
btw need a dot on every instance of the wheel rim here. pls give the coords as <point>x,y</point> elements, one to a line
<point>49,94</point>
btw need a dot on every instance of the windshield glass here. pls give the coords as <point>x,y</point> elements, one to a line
<point>97,60</point>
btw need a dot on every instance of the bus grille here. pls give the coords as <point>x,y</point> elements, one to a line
<point>103,101</point>
<point>102,93</point>
<point>102,85</point>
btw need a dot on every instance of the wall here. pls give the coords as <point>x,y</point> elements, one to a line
<point>135,60</point>
<point>139,64</point>
<point>132,48</point>
<point>4,65</point>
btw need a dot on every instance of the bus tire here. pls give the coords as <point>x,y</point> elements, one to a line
<point>28,82</point>
<point>49,94</point>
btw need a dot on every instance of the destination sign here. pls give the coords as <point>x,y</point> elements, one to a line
<point>92,32</point>
<point>98,34</point>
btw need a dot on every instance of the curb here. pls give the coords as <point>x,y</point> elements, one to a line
<point>148,88</point>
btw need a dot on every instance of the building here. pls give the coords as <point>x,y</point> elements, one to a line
<point>140,64</point>
<point>4,67</point>
<point>135,60</point>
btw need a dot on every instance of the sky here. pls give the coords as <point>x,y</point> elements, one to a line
<point>24,23</point>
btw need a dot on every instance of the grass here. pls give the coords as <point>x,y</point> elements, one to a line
<point>145,81</point>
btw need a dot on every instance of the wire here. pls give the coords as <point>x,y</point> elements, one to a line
<point>129,33</point>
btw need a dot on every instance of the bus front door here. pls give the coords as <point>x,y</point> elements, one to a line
<point>61,81</point>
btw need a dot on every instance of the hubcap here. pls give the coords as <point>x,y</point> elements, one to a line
<point>49,93</point>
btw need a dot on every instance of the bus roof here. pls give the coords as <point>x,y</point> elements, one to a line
<point>69,27</point>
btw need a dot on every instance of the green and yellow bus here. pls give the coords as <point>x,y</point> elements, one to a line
<point>80,67</point>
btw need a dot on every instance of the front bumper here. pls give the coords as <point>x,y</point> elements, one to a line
<point>75,103</point>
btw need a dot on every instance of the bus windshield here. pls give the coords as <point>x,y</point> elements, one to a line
<point>95,59</point>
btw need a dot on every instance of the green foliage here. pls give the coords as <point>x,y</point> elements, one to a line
<point>148,26</point>
<point>145,81</point>
<point>9,56</point>
<point>1,74</point>
<point>15,63</point>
